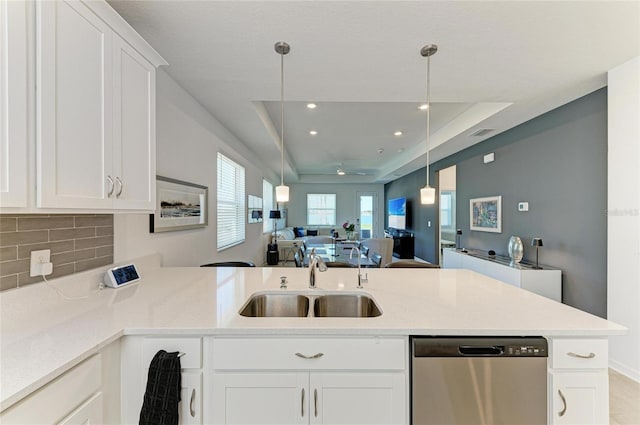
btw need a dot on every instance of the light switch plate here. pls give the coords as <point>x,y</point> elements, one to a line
<point>523,206</point>
<point>41,263</point>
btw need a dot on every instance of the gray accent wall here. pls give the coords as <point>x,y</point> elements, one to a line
<point>558,163</point>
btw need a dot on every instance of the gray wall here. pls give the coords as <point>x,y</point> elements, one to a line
<point>558,163</point>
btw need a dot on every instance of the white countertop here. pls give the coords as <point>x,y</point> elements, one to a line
<point>43,334</point>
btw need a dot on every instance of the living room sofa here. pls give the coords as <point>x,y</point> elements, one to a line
<point>290,238</point>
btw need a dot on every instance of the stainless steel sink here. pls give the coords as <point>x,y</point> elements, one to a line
<point>345,305</point>
<point>276,305</point>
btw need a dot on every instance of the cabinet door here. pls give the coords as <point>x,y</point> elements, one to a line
<point>89,413</point>
<point>134,159</point>
<point>579,398</point>
<point>191,398</point>
<point>358,398</point>
<point>13,104</point>
<point>74,101</point>
<point>260,398</point>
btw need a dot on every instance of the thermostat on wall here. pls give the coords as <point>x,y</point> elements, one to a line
<point>120,276</point>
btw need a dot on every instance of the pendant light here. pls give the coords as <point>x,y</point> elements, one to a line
<point>282,191</point>
<point>428,193</point>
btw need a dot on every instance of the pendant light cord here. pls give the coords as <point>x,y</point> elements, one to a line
<point>282,119</point>
<point>428,111</point>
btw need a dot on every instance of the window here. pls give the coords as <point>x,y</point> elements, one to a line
<point>231,203</point>
<point>447,200</point>
<point>321,209</point>
<point>267,205</point>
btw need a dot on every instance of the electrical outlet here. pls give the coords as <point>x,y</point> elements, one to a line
<point>41,263</point>
<point>523,206</point>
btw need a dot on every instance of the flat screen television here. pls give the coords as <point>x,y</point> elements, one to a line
<point>398,213</point>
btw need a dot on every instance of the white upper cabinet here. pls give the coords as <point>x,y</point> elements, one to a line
<point>95,110</point>
<point>13,105</point>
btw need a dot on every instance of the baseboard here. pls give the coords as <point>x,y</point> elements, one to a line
<point>625,370</point>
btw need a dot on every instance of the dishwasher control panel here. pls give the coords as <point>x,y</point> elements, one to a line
<point>479,347</point>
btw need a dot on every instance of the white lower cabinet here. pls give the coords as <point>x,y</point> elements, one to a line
<point>576,397</point>
<point>89,413</point>
<point>308,381</point>
<point>73,398</point>
<point>578,382</point>
<point>137,353</point>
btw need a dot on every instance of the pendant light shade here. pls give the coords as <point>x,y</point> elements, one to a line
<point>428,193</point>
<point>282,191</point>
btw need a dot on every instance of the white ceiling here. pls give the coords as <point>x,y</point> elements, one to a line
<point>498,64</point>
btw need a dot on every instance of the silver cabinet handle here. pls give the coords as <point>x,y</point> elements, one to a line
<point>315,356</point>
<point>564,404</point>
<point>119,182</point>
<point>302,404</point>
<point>581,356</point>
<point>315,402</point>
<point>192,410</point>
<point>111,185</point>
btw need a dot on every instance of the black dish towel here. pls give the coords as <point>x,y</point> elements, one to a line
<point>161,398</point>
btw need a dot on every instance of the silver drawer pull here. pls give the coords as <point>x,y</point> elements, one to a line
<point>581,356</point>
<point>564,404</point>
<point>111,186</point>
<point>315,356</point>
<point>192,410</point>
<point>119,182</point>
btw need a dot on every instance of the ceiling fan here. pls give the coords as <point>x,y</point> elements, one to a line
<point>342,172</point>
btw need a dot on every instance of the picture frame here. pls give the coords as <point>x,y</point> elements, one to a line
<point>485,214</point>
<point>254,209</point>
<point>180,205</point>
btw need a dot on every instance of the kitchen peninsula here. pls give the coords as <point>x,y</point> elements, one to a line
<point>110,335</point>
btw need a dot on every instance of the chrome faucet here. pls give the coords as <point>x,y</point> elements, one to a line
<point>361,279</point>
<point>313,260</point>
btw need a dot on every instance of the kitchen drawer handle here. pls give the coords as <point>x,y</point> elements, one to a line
<point>564,404</point>
<point>192,410</point>
<point>121,187</point>
<point>315,402</point>
<point>302,404</point>
<point>581,356</point>
<point>111,185</point>
<point>315,356</point>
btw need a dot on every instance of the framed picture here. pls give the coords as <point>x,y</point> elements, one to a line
<point>179,206</point>
<point>485,214</point>
<point>254,209</point>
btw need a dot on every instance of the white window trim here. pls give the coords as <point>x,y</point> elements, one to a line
<point>230,203</point>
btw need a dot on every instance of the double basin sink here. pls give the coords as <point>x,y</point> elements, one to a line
<point>279,304</point>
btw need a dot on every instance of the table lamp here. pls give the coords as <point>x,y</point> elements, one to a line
<point>275,215</point>
<point>537,242</point>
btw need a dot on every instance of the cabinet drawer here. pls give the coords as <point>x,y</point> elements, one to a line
<point>579,353</point>
<point>322,353</point>
<point>191,347</point>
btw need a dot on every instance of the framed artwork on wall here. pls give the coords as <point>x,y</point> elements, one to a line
<point>179,205</point>
<point>485,214</point>
<point>254,209</point>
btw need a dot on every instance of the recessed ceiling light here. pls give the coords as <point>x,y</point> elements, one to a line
<point>313,132</point>
<point>398,133</point>
<point>341,172</point>
<point>423,107</point>
<point>311,105</point>
<point>380,150</point>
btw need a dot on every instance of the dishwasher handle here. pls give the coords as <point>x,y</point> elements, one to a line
<point>481,350</point>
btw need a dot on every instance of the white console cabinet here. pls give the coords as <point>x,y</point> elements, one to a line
<point>546,282</point>
<point>308,381</point>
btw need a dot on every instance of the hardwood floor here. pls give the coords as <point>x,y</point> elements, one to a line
<point>624,400</point>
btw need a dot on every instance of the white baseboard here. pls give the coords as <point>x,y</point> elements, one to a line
<point>625,370</point>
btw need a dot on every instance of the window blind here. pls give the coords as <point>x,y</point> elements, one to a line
<point>321,209</point>
<point>231,203</point>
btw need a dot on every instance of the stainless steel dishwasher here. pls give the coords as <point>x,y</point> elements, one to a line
<point>478,380</point>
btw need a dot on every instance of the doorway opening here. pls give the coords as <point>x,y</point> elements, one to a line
<point>447,195</point>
